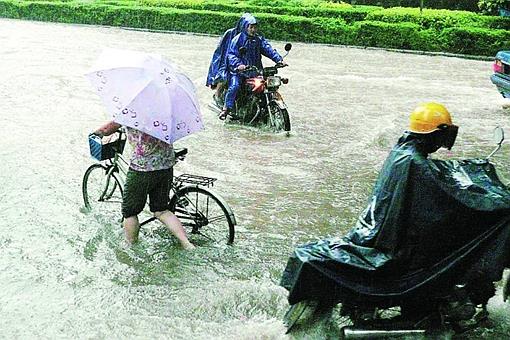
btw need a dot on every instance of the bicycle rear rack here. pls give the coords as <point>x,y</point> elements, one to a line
<point>194,179</point>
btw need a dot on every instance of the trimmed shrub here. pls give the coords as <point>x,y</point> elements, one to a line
<point>438,19</point>
<point>346,12</point>
<point>476,41</point>
<point>284,27</point>
<point>388,35</point>
<point>465,5</point>
<point>398,35</point>
<point>275,26</point>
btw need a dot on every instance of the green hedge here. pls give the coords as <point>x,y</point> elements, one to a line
<point>465,5</point>
<point>476,41</point>
<point>406,35</point>
<point>387,35</point>
<point>348,13</point>
<point>439,19</point>
<point>275,26</point>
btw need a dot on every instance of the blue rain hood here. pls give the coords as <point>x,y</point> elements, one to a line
<point>249,20</point>
<point>218,66</point>
<point>256,47</point>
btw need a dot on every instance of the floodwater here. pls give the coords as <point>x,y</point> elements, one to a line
<point>66,274</point>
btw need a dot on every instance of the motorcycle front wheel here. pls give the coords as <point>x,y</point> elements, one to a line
<point>278,118</point>
<point>247,110</point>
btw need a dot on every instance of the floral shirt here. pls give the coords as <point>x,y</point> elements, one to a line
<point>149,153</point>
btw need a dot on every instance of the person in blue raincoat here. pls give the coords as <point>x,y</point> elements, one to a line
<point>255,46</point>
<point>218,74</point>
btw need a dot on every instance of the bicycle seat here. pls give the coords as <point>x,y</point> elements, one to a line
<point>181,152</point>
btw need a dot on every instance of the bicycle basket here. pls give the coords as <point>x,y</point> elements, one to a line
<point>102,150</point>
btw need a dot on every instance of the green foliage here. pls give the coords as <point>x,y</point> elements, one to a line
<point>391,35</point>
<point>297,3</point>
<point>438,19</point>
<point>305,9</point>
<point>466,5</point>
<point>476,41</point>
<point>399,28</point>
<point>492,6</point>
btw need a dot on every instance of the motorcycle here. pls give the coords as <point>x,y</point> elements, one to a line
<point>432,294</point>
<point>258,101</point>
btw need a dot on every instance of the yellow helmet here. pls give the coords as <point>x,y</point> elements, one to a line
<point>429,117</point>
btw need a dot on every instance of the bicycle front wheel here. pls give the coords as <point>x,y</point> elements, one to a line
<point>100,186</point>
<point>205,212</point>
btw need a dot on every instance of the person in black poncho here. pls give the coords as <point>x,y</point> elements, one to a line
<point>428,225</point>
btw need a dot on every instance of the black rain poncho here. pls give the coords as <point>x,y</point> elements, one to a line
<point>424,221</point>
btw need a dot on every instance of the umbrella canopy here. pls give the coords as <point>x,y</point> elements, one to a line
<point>145,92</point>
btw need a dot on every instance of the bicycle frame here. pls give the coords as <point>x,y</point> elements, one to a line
<point>187,180</point>
<point>120,165</point>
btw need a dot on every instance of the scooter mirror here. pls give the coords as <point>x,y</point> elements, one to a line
<point>499,135</point>
<point>288,47</point>
<point>506,288</point>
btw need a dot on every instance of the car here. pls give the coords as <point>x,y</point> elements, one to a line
<point>501,76</point>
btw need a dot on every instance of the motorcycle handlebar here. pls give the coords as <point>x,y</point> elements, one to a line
<point>252,68</point>
<point>256,69</point>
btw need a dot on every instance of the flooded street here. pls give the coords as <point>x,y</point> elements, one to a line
<point>67,275</point>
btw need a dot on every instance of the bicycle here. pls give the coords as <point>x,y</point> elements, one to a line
<point>191,198</point>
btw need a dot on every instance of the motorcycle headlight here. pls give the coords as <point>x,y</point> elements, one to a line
<point>273,81</point>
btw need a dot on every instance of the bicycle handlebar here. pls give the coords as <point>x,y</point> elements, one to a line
<point>180,154</point>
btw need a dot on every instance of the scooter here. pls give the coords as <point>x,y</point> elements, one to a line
<point>448,295</point>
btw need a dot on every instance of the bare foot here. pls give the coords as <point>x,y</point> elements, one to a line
<point>188,246</point>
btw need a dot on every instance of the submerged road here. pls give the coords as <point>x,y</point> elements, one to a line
<point>66,274</point>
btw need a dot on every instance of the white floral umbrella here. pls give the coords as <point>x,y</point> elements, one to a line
<point>145,92</point>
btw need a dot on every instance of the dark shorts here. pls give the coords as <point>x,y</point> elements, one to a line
<point>140,184</point>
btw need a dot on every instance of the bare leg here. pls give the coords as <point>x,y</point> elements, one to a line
<point>175,227</point>
<point>219,87</point>
<point>131,229</point>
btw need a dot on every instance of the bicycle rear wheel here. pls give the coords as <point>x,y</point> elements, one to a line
<point>205,212</point>
<point>99,187</point>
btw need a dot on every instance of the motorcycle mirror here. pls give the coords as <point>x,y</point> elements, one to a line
<point>499,137</point>
<point>242,51</point>
<point>287,48</point>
